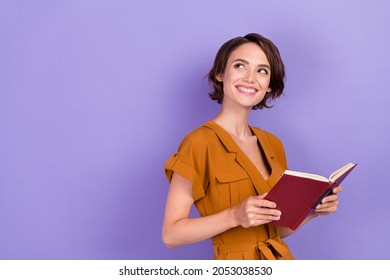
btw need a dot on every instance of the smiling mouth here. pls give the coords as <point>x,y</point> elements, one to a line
<point>247,90</point>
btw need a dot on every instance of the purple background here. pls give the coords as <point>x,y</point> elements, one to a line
<point>96,95</point>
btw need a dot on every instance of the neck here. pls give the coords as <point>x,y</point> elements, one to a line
<point>234,122</point>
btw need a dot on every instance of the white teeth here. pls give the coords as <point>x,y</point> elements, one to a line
<point>248,90</point>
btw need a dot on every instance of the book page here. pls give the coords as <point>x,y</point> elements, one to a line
<point>339,172</point>
<point>307,175</point>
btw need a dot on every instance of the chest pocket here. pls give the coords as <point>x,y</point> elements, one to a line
<point>233,188</point>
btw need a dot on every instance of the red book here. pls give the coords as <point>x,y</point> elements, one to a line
<point>296,194</point>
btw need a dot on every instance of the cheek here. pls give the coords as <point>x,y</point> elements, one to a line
<point>229,80</point>
<point>232,76</point>
<point>262,95</point>
<point>265,83</point>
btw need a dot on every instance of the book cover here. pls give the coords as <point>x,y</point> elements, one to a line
<point>296,194</point>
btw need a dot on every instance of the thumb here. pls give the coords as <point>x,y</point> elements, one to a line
<point>263,195</point>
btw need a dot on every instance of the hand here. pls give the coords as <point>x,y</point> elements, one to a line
<point>329,204</point>
<point>254,211</point>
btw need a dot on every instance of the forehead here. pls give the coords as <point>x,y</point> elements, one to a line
<point>250,52</point>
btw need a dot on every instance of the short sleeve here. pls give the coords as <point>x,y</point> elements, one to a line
<point>190,161</point>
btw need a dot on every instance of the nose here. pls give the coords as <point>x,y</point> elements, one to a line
<point>249,77</point>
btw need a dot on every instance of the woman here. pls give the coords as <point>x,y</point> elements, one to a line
<point>226,167</point>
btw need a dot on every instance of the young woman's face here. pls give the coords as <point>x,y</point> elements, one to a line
<point>247,76</point>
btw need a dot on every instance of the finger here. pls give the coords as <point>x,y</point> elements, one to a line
<point>264,211</point>
<point>260,202</point>
<point>327,205</point>
<point>337,189</point>
<point>262,195</point>
<point>326,210</point>
<point>264,220</point>
<point>330,198</point>
<point>331,206</point>
<point>258,219</point>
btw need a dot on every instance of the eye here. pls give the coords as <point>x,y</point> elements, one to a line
<point>263,71</point>
<point>239,66</point>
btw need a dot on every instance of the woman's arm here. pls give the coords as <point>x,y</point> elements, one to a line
<point>327,206</point>
<point>178,229</point>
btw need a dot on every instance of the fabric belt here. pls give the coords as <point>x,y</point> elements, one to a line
<point>265,247</point>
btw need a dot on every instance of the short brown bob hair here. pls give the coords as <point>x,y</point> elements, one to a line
<point>273,56</point>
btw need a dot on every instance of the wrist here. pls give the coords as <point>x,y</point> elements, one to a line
<point>233,217</point>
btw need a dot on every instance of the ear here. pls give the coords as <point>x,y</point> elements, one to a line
<point>219,77</point>
<point>269,90</point>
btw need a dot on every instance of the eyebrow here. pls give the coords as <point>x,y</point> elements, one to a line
<point>246,62</point>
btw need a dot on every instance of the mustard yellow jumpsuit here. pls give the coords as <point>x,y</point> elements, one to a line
<point>222,176</point>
